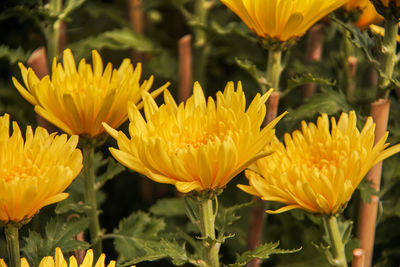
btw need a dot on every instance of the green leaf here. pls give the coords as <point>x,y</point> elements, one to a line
<point>58,233</point>
<point>305,79</point>
<point>140,237</point>
<point>169,207</point>
<point>113,169</point>
<point>70,6</point>
<point>328,101</point>
<point>118,39</point>
<point>254,72</point>
<point>261,252</point>
<point>13,55</point>
<point>366,190</point>
<point>227,216</point>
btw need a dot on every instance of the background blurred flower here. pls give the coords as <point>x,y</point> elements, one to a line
<point>281,19</point>
<point>59,261</point>
<point>78,100</point>
<point>368,12</point>
<point>318,169</point>
<point>199,145</point>
<point>35,173</point>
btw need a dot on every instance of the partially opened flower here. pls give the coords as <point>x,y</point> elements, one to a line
<point>59,261</point>
<point>281,19</point>
<point>200,145</point>
<point>390,9</point>
<point>319,167</point>
<point>34,173</point>
<point>78,99</point>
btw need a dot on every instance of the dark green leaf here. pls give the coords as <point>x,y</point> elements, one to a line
<point>328,101</point>
<point>305,79</point>
<point>169,207</point>
<point>58,233</point>
<point>261,252</point>
<point>13,55</point>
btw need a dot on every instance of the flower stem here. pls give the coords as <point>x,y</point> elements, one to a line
<point>52,32</point>
<point>90,197</point>
<point>274,69</point>
<point>11,233</point>
<point>207,228</point>
<point>388,50</point>
<point>332,230</point>
<point>200,35</point>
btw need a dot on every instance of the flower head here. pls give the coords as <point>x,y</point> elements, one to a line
<point>59,261</point>
<point>34,173</point>
<point>319,167</point>
<point>200,145</point>
<point>367,15</point>
<point>78,99</point>
<point>281,19</point>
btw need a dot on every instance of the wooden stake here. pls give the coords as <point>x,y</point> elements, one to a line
<point>368,211</point>
<point>257,213</point>
<point>315,44</point>
<point>137,21</point>
<point>185,68</point>
<point>358,258</point>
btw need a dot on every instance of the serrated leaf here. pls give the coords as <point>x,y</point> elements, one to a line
<point>113,169</point>
<point>169,207</point>
<point>58,233</point>
<point>305,79</point>
<point>227,216</point>
<point>261,252</point>
<point>328,101</point>
<point>119,39</point>
<point>13,55</point>
<point>139,238</point>
<point>254,72</point>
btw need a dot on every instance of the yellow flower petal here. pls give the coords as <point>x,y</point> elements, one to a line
<point>319,167</point>
<point>34,173</point>
<point>199,145</point>
<point>78,100</point>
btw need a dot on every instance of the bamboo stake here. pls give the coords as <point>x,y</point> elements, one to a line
<point>315,44</point>
<point>257,213</point>
<point>137,22</point>
<point>352,63</point>
<point>358,258</point>
<point>368,211</point>
<point>185,67</point>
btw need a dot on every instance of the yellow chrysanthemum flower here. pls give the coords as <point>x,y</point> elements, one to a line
<point>282,19</point>
<point>78,100</point>
<point>200,145</point>
<point>318,168</point>
<point>34,173</point>
<point>59,261</point>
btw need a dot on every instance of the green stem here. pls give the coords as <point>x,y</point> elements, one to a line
<point>207,228</point>
<point>332,230</point>
<point>11,233</point>
<point>274,69</point>
<point>52,32</point>
<point>388,50</point>
<point>347,79</point>
<point>90,197</point>
<point>200,44</point>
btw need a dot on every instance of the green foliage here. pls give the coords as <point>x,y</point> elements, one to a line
<point>328,101</point>
<point>13,55</point>
<point>58,232</point>
<point>261,252</point>
<point>117,39</point>
<point>305,79</point>
<point>169,207</point>
<point>140,237</point>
